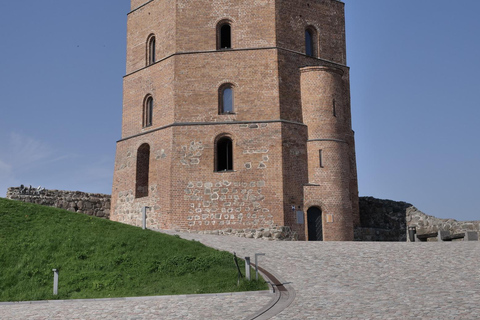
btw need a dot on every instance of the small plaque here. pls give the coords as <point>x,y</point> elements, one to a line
<point>300,219</point>
<point>329,217</point>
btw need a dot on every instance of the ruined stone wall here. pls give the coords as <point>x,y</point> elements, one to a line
<point>429,224</point>
<point>382,220</point>
<point>93,204</point>
<point>388,220</point>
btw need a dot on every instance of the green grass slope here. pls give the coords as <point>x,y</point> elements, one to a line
<point>99,258</point>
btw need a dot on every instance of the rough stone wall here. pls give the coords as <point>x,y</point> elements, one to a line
<point>429,224</point>
<point>388,220</point>
<point>382,220</point>
<point>93,204</point>
<point>276,233</point>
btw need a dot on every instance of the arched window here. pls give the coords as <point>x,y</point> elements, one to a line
<point>224,35</point>
<point>147,111</point>
<point>151,50</point>
<point>311,42</point>
<point>225,99</point>
<point>224,154</point>
<point>143,169</point>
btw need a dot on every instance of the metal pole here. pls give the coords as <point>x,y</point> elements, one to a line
<point>247,268</point>
<point>55,282</point>
<point>256,264</point>
<point>238,268</point>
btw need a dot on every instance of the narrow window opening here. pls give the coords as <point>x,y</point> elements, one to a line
<point>224,154</point>
<point>320,158</point>
<point>311,42</point>
<point>225,37</point>
<point>226,99</point>
<point>309,47</point>
<point>334,108</point>
<point>143,169</point>
<point>148,112</point>
<point>151,51</point>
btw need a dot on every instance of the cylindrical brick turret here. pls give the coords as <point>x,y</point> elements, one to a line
<point>325,112</point>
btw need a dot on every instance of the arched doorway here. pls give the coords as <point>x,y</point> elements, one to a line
<point>314,220</point>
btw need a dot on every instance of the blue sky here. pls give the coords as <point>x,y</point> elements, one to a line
<point>414,80</point>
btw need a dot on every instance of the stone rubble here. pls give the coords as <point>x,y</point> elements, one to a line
<point>274,233</point>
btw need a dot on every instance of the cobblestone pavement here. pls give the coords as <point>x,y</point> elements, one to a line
<point>178,307</point>
<point>332,280</point>
<point>369,280</point>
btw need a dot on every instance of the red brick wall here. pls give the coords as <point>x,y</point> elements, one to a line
<point>125,207</point>
<point>328,18</point>
<point>158,81</point>
<point>325,111</point>
<point>252,23</point>
<point>277,108</point>
<point>137,3</point>
<point>156,17</point>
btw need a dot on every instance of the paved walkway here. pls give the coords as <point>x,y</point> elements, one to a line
<point>178,307</point>
<point>332,280</point>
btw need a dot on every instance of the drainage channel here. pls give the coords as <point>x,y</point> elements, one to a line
<point>284,296</point>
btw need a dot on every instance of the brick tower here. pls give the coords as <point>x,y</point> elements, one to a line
<point>236,114</point>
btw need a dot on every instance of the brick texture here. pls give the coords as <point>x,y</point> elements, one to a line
<point>282,117</point>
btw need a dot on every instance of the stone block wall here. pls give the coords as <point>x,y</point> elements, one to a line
<point>93,204</point>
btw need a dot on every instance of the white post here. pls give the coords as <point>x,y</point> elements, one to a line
<point>247,268</point>
<point>256,264</point>
<point>144,217</point>
<point>55,282</point>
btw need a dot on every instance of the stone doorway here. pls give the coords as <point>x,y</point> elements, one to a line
<point>314,221</point>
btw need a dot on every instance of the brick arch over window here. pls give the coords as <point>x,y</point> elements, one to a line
<point>311,41</point>
<point>143,170</point>
<point>147,111</point>
<point>223,153</point>
<point>151,49</point>
<point>226,99</point>
<point>224,35</point>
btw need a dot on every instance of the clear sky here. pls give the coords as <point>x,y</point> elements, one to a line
<point>414,84</point>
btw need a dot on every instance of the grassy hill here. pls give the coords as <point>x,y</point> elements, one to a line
<point>99,258</point>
